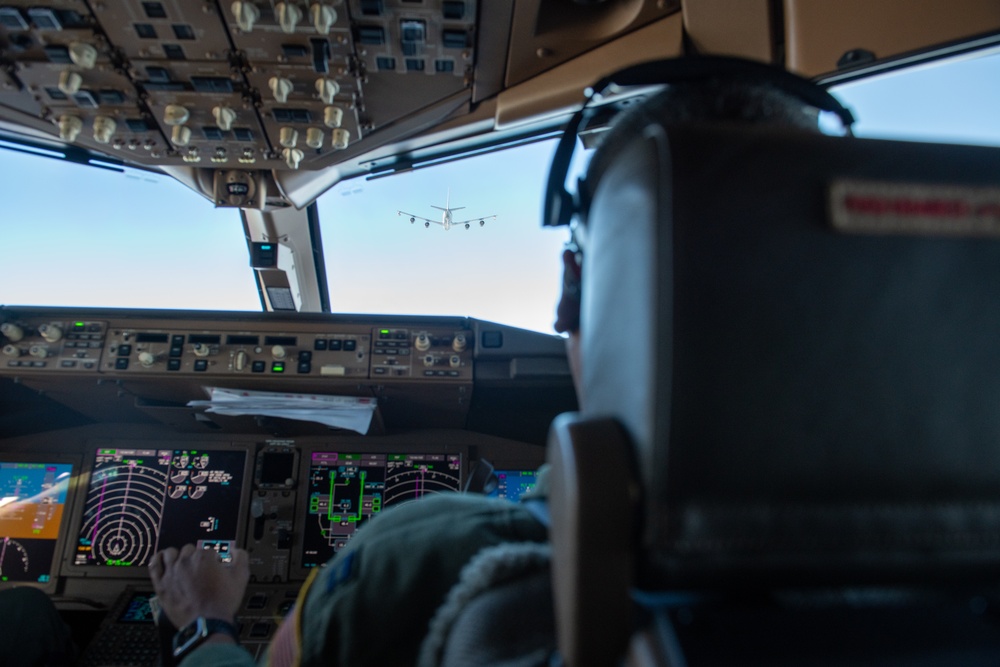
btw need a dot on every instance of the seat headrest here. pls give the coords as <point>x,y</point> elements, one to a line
<point>808,404</point>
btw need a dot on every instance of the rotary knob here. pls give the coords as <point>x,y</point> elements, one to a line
<point>327,89</point>
<point>39,351</point>
<point>11,351</point>
<point>224,117</point>
<point>201,350</point>
<point>279,352</point>
<point>458,343</point>
<point>314,137</point>
<point>13,332</point>
<point>422,342</point>
<point>292,156</point>
<point>104,129</point>
<point>340,138</point>
<point>69,127</point>
<point>69,82</point>
<point>83,55</point>
<point>50,332</point>
<point>333,116</point>
<point>323,17</point>
<point>246,14</point>
<point>289,16</point>
<point>280,88</point>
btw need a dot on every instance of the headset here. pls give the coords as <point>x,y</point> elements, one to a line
<point>561,206</point>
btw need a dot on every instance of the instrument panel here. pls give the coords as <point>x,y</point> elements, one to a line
<point>87,508</point>
<point>233,349</point>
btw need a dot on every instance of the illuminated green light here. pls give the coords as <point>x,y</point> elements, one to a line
<point>385,331</point>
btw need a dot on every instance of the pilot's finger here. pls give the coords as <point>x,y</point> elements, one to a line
<point>156,565</point>
<point>186,552</point>
<point>241,559</point>
<point>167,558</point>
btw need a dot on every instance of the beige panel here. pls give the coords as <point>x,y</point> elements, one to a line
<point>559,89</point>
<point>819,32</point>
<point>730,28</point>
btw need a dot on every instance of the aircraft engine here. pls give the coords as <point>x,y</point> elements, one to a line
<point>412,220</point>
<point>482,222</point>
<point>466,225</point>
<point>427,224</point>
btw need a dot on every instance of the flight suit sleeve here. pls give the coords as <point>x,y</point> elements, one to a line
<point>218,655</point>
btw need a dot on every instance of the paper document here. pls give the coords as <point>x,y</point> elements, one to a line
<point>347,412</point>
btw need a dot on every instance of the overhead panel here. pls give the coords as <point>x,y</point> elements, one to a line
<point>234,84</point>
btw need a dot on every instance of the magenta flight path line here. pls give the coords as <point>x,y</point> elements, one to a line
<point>97,519</point>
<point>128,487</point>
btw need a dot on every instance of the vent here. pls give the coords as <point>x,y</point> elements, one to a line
<point>173,52</point>
<point>211,84</point>
<point>154,10</point>
<point>371,34</point>
<point>145,30</point>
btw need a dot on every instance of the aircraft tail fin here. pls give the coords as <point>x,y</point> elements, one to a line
<point>447,204</point>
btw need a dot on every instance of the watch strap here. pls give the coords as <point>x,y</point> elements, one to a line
<point>195,633</point>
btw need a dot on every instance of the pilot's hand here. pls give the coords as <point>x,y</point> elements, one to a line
<point>193,582</point>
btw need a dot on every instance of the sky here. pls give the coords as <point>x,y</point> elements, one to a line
<point>156,244</point>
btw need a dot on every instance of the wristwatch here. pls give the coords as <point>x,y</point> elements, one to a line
<point>194,634</point>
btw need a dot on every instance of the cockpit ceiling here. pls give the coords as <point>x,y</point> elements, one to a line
<point>264,103</point>
<point>296,85</point>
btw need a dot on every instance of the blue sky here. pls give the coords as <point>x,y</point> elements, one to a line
<point>86,237</point>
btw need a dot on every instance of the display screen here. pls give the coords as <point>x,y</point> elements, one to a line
<point>512,484</point>
<point>32,503</point>
<point>137,610</point>
<point>140,501</point>
<point>345,490</point>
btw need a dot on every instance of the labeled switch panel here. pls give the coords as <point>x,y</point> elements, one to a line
<point>228,349</point>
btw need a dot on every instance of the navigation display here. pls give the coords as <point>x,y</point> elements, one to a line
<point>32,503</point>
<point>347,489</point>
<point>512,484</point>
<point>140,501</point>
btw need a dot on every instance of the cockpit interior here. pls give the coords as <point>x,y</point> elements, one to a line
<point>281,420</point>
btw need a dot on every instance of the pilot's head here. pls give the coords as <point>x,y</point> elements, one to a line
<point>721,99</point>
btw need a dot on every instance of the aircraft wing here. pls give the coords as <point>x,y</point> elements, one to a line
<point>414,217</point>
<point>480,218</point>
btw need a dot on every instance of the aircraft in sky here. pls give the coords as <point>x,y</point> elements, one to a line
<point>447,221</point>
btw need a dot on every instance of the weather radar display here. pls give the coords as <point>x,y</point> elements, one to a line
<point>345,490</point>
<point>32,502</point>
<point>142,500</point>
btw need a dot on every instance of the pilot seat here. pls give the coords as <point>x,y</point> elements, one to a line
<point>788,447</point>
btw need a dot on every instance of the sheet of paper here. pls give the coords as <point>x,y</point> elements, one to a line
<point>346,412</point>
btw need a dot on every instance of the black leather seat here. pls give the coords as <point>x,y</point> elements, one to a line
<point>790,427</point>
